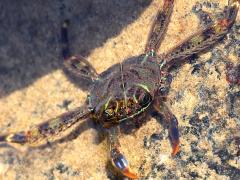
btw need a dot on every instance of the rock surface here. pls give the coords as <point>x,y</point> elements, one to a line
<point>34,88</point>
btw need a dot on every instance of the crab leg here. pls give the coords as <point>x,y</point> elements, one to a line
<point>172,123</point>
<point>78,65</point>
<point>159,27</point>
<point>64,39</point>
<point>117,158</point>
<point>202,39</point>
<point>48,128</point>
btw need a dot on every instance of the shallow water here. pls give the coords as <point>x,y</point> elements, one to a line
<point>35,88</point>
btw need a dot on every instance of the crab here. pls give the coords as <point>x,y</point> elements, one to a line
<point>127,93</point>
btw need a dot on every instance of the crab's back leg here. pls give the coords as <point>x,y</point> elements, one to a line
<point>172,124</point>
<point>159,27</point>
<point>202,39</point>
<point>48,128</point>
<point>77,65</point>
<point>117,158</point>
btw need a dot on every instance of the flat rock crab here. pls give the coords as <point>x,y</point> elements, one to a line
<point>129,91</point>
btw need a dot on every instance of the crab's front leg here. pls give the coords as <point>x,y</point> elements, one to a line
<point>48,128</point>
<point>117,158</point>
<point>159,27</point>
<point>203,39</point>
<point>172,124</point>
<point>77,65</point>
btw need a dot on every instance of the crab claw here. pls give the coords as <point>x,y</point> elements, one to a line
<point>176,148</point>
<point>174,135</point>
<point>19,138</point>
<point>121,164</point>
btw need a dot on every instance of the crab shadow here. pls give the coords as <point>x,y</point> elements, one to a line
<point>30,42</point>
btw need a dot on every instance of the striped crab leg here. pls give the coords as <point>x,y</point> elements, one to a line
<point>203,39</point>
<point>77,65</point>
<point>159,27</point>
<point>47,129</point>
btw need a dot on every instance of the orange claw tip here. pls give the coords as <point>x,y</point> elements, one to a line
<point>176,149</point>
<point>128,173</point>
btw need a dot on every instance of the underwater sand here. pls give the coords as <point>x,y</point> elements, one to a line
<point>34,88</point>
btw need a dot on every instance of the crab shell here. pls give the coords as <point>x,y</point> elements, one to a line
<point>125,91</point>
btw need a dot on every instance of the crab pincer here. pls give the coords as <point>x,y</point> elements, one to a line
<point>122,165</point>
<point>174,136</point>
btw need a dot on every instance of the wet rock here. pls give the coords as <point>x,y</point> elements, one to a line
<point>234,104</point>
<point>61,169</point>
<point>233,74</point>
<point>9,158</point>
<point>156,137</point>
<point>193,174</point>
<point>232,172</point>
